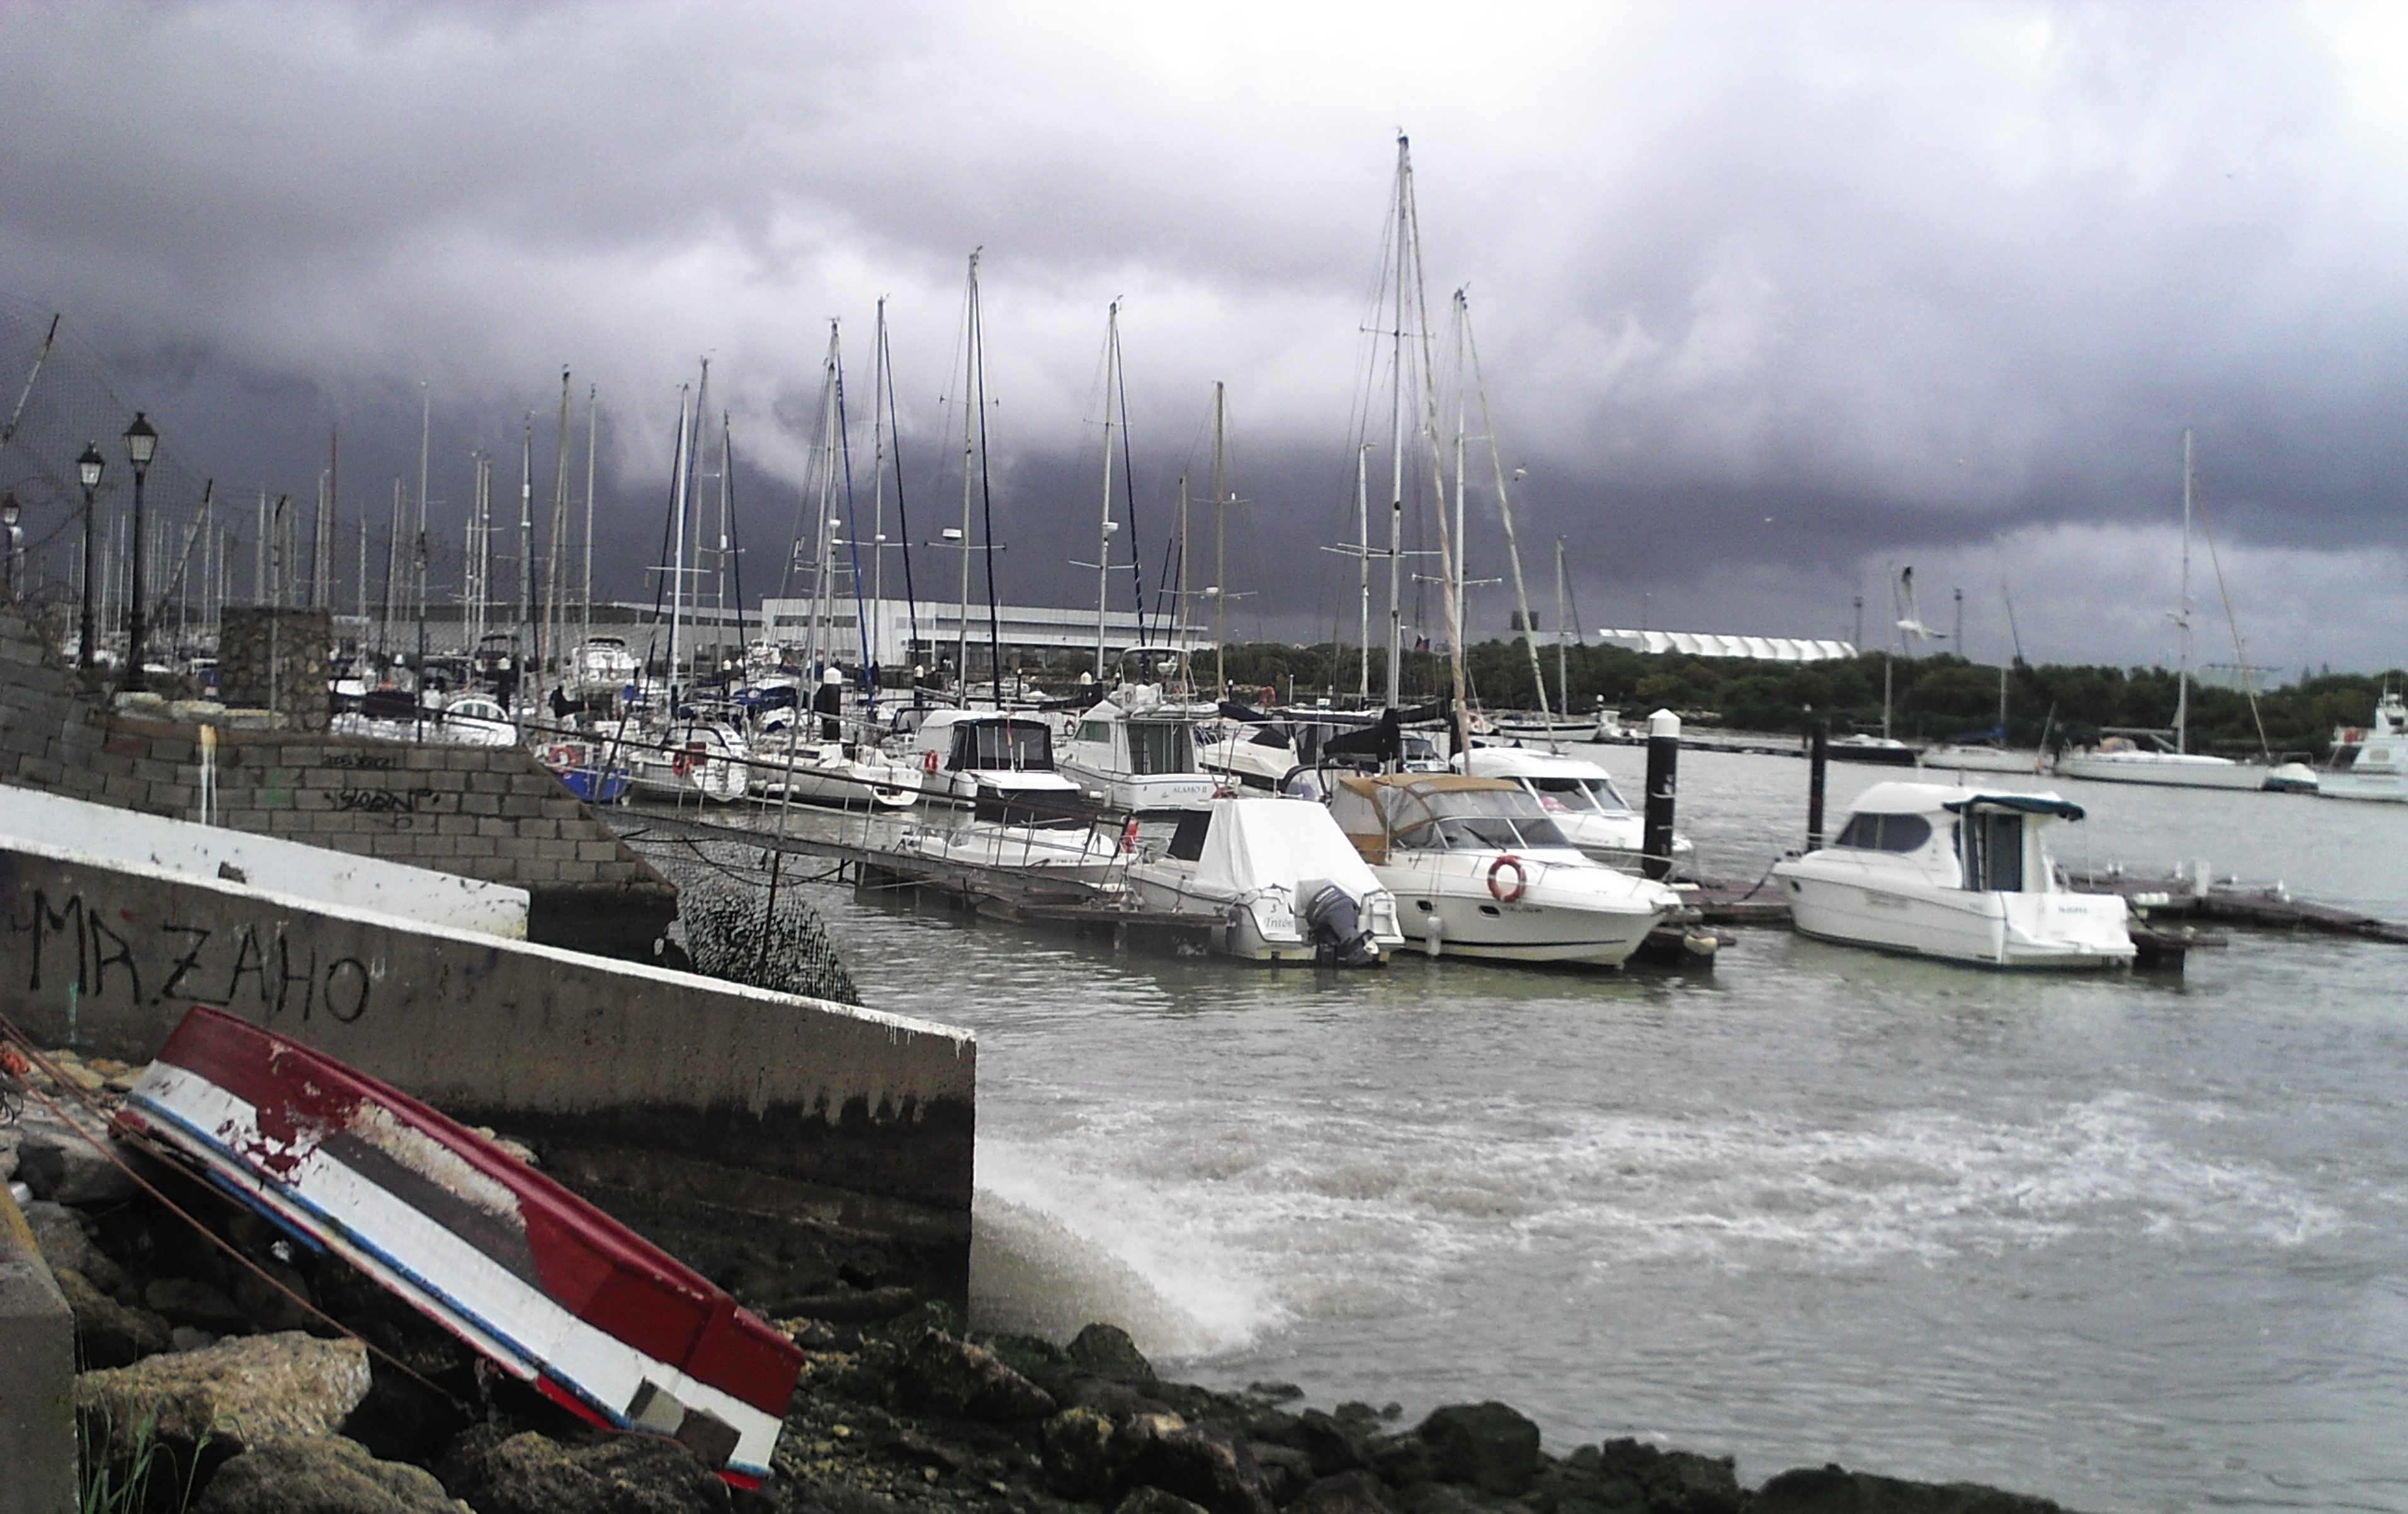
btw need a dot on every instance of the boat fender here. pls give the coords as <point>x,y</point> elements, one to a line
<point>1128,836</point>
<point>928,760</point>
<point>1504,893</point>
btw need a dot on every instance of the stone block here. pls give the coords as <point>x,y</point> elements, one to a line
<point>244,1392</point>
<point>38,1441</point>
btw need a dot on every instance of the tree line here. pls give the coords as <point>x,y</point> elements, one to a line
<point>1931,697</point>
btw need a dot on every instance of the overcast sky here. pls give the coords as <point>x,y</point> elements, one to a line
<point>1770,299</point>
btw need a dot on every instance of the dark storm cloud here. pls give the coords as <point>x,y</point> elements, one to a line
<point>1768,297</point>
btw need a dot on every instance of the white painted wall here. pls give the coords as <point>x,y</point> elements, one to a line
<point>113,837</point>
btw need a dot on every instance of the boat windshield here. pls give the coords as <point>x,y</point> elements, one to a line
<point>1023,745</point>
<point>1577,795</point>
<point>1478,819</point>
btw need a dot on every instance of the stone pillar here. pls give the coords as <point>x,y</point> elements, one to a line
<point>275,658</point>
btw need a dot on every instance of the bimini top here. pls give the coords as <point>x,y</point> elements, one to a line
<point>1933,799</point>
<point>1439,811</point>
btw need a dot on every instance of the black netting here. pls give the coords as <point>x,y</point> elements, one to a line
<point>729,926</point>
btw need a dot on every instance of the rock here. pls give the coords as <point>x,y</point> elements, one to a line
<point>1201,1463</point>
<point>1833,1490</point>
<point>243,1393</point>
<point>321,1475</point>
<point>107,1333</point>
<point>187,1301</point>
<point>1077,1445</point>
<point>1107,1351</point>
<point>1349,1492</point>
<point>185,1339</point>
<point>1401,1461</point>
<point>1155,1501</point>
<point>60,1163</point>
<point>1331,1445</point>
<point>1489,1446</point>
<point>533,1474</point>
<point>1676,1482</point>
<point>1286,1471</point>
<point>851,1306</point>
<point>59,1233</point>
<point>953,1377</point>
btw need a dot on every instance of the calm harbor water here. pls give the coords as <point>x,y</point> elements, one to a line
<point>2126,1242</point>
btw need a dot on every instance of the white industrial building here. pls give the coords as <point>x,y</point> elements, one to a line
<point>1708,645</point>
<point>1021,628</point>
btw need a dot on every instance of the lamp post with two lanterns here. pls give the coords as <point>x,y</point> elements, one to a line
<point>87,469</point>
<point>141,445</point>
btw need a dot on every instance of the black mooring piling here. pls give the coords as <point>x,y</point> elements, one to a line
<point>1819,757</point>
<point>1663,774</point>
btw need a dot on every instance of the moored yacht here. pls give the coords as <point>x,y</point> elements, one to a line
<point>2381,769</point>
<point>1579,797</point>
<point>1480,869</point>
<point>1143,761</point>
<point>1959,873</point>
<point>974,756</point>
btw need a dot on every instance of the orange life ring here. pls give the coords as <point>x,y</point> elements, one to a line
<point>560,755</point>
<point>1128,836</point>
<point>928,760</point>
<point>1521,879</point>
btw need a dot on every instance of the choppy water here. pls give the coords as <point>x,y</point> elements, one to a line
<point>2126,1243</point>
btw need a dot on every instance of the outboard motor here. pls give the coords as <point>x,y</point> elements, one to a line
<point>1339,933</point>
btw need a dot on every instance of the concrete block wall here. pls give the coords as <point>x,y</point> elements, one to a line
<point>487,812</point>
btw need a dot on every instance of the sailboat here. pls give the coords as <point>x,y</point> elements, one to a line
<point>2118,760</point>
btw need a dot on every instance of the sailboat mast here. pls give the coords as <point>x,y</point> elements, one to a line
<point>821,534</point>
<point>527,547</point>
<point>1397,435</point>
<point>969,417</point>
<point>1563,687</point>
<point>1179,598</point>
<point>1104,531</point>
<point>1459,577</point>
<point>679,475</point>
<point>592,407</point>
<point>1362,571</point>
<point>2182,619</point>
<point>1220,541</point>
<point>545,632</point>
<point>877,498</point>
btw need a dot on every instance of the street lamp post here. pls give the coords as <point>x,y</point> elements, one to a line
<point>88,467</point>
<point>141,443</point>
<point>9,513</point>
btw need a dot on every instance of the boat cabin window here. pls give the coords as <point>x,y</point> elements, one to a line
<point>1099,731</point>
<point>1161,746</point>
<point>1993,849</point>
<point>1576,796</point>
<point>1269,736</point>
<point>1187,842</point>
<point>1022,746</point>
<point>1478,819</point>
<point>1884,832</point>
<point>1419,748</point>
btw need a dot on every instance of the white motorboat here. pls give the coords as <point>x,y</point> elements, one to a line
<point>1280,879</point>
<point>971,757</point>
<point>706,759</point>
<point>1143,762</point>
<point>2381,769</point>
<point>469,720</point>
<point>1480,869</point>
<point>1883,751</point>
<point>1079,853</point>
<point>1579,797</point>
<point>1253,753</point>
<point>1963,874</point>
<point>845,775</point>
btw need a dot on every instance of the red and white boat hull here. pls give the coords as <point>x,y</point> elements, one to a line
<point>534,1278</point>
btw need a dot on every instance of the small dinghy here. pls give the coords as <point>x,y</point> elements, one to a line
<point>538,1281</point>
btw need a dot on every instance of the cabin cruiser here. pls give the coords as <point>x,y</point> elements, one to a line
<point>1963,874</point>
<point>1579,797</point>
<point>2381,769</point>
<point>1480,869</point>
<point>1881,751</point>
<point>1143,762</point>
<point>400,715</point>
<point>1280,879</point>
<point>1073,850</point>
<point>1261,749</point>
<point>844,774</point>
<point>970,756</point>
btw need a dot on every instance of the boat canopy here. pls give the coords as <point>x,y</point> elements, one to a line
<point>2020,804</point>
<point>1439,811</point>
<point>1256,843</point>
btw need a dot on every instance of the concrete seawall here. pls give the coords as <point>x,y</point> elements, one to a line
<point>768,1139</point>
<point>38,1443</point>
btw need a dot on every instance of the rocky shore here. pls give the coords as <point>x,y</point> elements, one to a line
<point>209,1386</point>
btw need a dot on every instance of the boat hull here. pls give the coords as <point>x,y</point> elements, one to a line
<point>2054,930</point>
<point>2163,770</point>
<point>1585,914</point>
<point>533,1277</point>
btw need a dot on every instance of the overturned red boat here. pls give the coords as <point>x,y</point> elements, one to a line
<point>539,1281</point>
